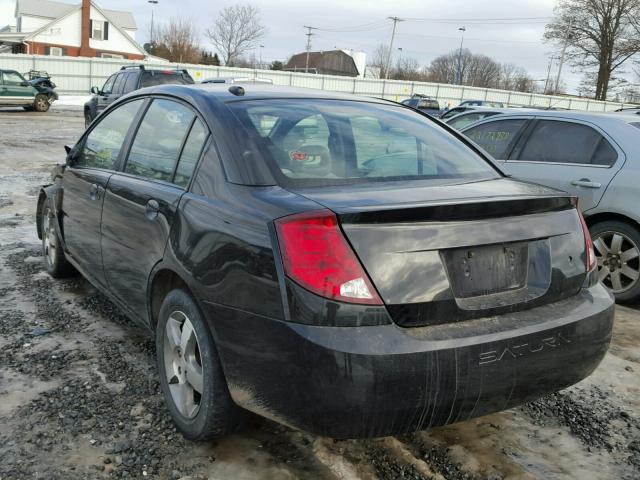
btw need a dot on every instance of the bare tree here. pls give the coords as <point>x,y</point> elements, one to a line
<point>476,70</point>
<point>378,62</point>
<point>177,41</point>
<point>598,34</point>
<point>236,31</point>
<point>406,68</point>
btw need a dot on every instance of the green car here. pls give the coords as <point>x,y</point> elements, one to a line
<point>15,91</point>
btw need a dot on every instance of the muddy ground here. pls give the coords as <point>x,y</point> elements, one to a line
<point>79,395</point>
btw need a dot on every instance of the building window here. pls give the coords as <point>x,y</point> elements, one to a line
<point>111,55</point>
<point>99,30</point>
<point>55,51</point>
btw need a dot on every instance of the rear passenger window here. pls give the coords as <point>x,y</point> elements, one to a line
<point>155,150</point>
<point>104,142</point>
<point>190,154</point>
<point>566,142</point>
<point>496,137</point>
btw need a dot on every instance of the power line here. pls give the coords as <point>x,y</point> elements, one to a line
<point>473,39</point>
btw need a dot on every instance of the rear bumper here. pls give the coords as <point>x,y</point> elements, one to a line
<point>349,382</point>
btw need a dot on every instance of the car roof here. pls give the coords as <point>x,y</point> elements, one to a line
<point>253,91</point>
<point>599,118</point>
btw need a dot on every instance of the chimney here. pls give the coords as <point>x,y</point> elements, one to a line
<point>85,49</point>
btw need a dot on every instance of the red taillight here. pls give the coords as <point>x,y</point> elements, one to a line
<point>590,260</point>
<point>316,255</point>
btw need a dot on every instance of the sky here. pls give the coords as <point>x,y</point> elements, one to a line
<point>361,25</point>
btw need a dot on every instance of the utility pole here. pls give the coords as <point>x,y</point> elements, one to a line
<point>562,57</point>
<point>393,35</point>
<point>458,79</point>
<point>546,83</point>
<point>309,35</point>
<point>153,3</point>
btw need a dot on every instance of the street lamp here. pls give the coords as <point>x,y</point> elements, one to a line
<point>153,3</point>
<point>458,79</point>
<point>261,47</point>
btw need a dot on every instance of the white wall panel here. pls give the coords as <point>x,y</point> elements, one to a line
<point>78,75</point>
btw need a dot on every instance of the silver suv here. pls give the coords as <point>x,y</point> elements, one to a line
<point>596,157</point>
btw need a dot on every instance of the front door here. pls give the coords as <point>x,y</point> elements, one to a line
<point>15,90</point>
<point>141,202</point>
<point>568,155</point>
<point>84,184</point>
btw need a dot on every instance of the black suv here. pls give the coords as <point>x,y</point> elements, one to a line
<point>428,105</point>
<point>128,79</point>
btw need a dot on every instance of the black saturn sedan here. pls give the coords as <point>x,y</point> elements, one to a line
<point>342,265</point>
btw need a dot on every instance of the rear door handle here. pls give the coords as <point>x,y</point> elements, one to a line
<point>586,183</point>
<point>152,209</point>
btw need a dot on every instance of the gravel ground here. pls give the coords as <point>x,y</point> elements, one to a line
<point>79,396</point>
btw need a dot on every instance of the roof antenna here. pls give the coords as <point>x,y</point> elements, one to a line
<point>237,90</point>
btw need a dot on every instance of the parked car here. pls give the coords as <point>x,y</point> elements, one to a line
<point>238,80</point>
<point>42,82</point>
<point>595,157</point>
<point>16,91</point>
<point>353,268</point>
<point>481,103</point>
<point>127,80</point>
<point>425,104</point>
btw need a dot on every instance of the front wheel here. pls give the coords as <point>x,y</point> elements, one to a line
<point>617,249</point>
<point>191,377</point>
<point>41,103</point>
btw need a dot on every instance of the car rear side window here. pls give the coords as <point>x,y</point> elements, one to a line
<point>191,153</point>
<point>567,142</point>
<point>152,78</point>
<point>104,142</point>
<point>497,137</point>
<point>157,144</point>
<point>332,142</point>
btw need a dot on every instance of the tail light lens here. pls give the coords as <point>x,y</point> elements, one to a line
<point>317,256</point>
<point>591,262</point>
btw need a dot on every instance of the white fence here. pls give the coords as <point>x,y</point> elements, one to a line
<point>75,76</point>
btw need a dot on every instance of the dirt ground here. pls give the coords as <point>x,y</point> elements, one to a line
<point>79,395</point>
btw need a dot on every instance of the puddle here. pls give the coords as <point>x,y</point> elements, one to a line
<point>17,390</point>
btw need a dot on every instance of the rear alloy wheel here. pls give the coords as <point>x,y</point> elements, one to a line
<point>54,258</point>
<point>191,376</point>
<point>617,249</point>
<point>41,103</point>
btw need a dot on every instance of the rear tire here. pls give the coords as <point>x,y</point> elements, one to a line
<point>191,376</point>
<point>55,261</point>
<point>41,103</point>
<point>617,249</point>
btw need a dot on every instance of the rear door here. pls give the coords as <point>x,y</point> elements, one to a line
<point>84,183</point>
<point>573,156</point>
<point>141,201</point>
<point>15,89</point>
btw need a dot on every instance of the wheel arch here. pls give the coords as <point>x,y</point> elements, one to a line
<point>161,282</point>
<point>605,216</point>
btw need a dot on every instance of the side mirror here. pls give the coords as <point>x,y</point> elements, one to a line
<point>24,84</point>
<point>71,154</point>
<point>95,90</point>
<point>67,148</point>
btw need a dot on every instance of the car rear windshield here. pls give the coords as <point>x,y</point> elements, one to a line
<point>309,142</point>
<point>151,78</point>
